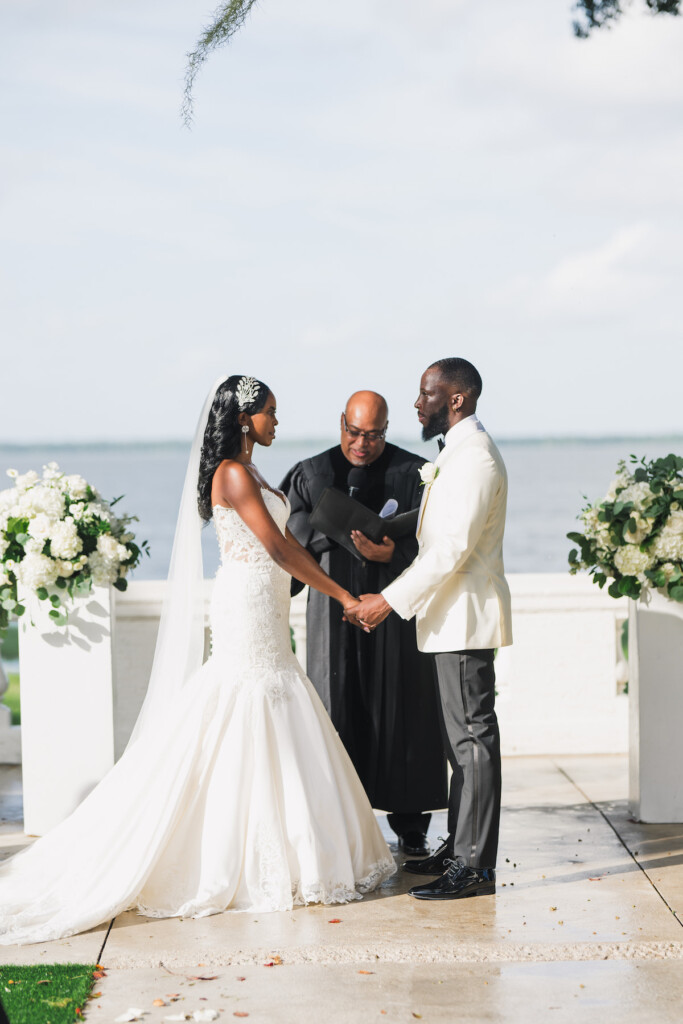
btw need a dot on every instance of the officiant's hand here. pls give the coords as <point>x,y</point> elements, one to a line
<point>372,552</point>
<point>371,610</point>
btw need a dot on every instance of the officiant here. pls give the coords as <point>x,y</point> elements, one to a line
<point>378,689</point>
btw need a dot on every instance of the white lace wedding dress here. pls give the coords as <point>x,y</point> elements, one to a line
<point>245,799</point>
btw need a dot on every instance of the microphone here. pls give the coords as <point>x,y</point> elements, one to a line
<point>356,479</point>
<point>389,509</point>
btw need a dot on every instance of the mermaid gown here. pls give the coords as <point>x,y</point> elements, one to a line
<point>245,798</point>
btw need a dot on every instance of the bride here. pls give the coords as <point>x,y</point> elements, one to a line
<point>235,791</point>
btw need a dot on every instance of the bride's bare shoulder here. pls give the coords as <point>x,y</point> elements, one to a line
<point>232,481</point>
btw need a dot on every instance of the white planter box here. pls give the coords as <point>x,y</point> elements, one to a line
<point>656,709</point>
<point>67,716</point>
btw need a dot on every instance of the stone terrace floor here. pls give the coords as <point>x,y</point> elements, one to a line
<point>585,926</point>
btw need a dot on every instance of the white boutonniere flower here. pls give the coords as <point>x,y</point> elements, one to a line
<point>428,473</point>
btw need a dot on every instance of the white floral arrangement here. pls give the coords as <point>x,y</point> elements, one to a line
<point>59,537</point>
<point>428,473</point>
<point>634,536</point>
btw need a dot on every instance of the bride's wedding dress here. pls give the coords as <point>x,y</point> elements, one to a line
<point>244,799</point>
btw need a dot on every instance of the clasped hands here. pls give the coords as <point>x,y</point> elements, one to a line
<point>367,612</point>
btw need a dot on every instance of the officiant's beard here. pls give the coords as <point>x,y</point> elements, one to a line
<point>436,424</point>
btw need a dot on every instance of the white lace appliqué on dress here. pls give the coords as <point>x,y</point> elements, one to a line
<point>244,800</point>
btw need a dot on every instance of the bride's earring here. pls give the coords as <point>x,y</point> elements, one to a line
<point>245,431</point>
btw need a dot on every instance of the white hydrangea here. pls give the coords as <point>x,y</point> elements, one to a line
<point>42,499</point>
<point>4,544</point>
<point>109,547</point>
<point>630,561</point>
<point>640,494</point>
<point>36,571</point>
<point>76,486</point>
<point>104,570</point>
<point>64,540</point>
<point>26,480</point>
<point>8,499</point>
<point>33,546</point>
<point>40,527</point>
<point>77,509</point>
<point>4,578</point>
<point>96,508</point>
<point>52,472</point>
<point>668,546</point>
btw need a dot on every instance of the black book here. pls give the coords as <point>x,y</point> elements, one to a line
<point>336,514</point>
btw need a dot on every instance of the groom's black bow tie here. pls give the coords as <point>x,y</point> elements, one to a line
<point>441,444</point>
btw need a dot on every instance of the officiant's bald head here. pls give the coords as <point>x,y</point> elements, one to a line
<point>363,427</point>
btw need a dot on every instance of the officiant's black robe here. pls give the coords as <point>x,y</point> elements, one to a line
<point>378,689</point>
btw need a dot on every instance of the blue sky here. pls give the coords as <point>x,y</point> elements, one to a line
<point>361,193</point>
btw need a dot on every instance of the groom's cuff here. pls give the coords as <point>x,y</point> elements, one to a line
<point>399,602</point>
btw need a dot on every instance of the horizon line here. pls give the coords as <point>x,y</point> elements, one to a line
<point>328,441</point>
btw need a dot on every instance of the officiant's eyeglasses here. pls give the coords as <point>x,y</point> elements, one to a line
<point>370,435</point>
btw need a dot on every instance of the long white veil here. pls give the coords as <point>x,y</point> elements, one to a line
<point>180,642</point>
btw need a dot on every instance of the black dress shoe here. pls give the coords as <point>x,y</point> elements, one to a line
<point>457,883</point>
<point>433,865</point>
<point>415,843</point>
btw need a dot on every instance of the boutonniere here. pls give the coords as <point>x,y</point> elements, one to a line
<point>428,473</point>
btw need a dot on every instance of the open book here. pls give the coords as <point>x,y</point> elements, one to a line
<point>336,514</point>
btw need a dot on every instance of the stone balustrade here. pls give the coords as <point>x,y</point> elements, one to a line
<point>560,687</point>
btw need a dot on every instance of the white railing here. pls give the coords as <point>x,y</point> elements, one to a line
<point>559,687</point>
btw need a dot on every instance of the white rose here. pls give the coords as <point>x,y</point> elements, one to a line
<point>64,540</point>
<point>675,521</point>
<point>4,544</point>
<point>36,571</point>
<point>428,473</point>
<point>40,526</point>
<point>4,578</point>
<point>33,546</point>
<point>65,568</point>
<point>76,485</point>
<point>77,509</point>
<point>630,561</point>
<point>643,529</point>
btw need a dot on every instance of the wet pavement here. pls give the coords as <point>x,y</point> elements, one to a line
<point>586,923</point>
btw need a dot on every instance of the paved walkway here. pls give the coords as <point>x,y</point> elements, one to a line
<point>586,926</point>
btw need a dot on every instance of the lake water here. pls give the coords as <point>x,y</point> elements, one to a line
<point>547,482</point>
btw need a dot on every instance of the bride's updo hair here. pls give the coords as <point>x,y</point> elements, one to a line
<point>223,434</point>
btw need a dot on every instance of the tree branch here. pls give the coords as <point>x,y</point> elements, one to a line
<point>227,19</point>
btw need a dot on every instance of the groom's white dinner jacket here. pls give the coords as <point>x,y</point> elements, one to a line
<point>455,586</point>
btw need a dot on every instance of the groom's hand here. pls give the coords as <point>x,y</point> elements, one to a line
<point>371,610</point>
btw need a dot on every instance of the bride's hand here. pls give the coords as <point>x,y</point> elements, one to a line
<point>349,604</point>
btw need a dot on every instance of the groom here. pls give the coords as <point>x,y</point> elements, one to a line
<point>456,589</point>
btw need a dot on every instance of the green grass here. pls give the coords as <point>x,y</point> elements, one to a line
<point>11,697</point>
<point>46,993</point>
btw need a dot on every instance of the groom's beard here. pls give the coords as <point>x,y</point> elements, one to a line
<point>436,424</point>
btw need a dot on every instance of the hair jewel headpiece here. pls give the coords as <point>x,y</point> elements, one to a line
<point>246,391</point>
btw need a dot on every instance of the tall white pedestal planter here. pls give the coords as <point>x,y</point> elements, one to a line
<point>655,689</point>
<point>67,714</point>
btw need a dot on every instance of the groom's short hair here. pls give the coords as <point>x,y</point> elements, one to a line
<point>460,374</point>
